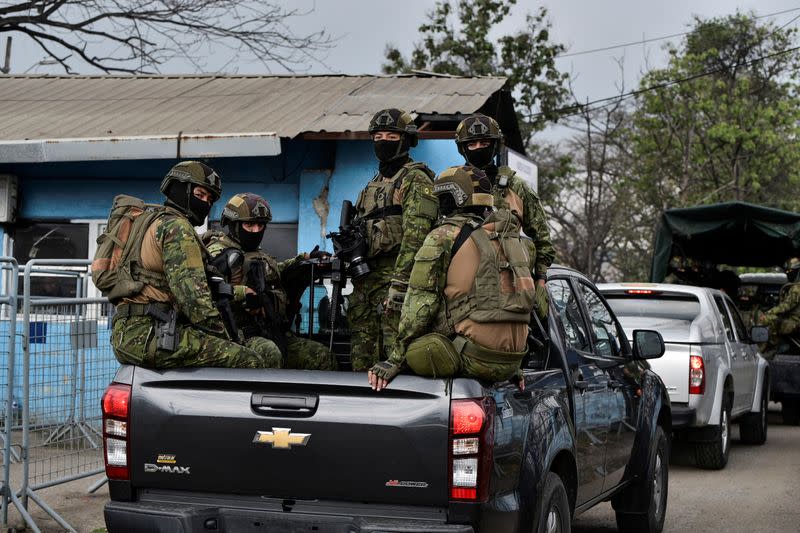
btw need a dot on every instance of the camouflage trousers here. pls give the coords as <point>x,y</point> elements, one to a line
<point>134,343</point>
<point>436,356</point>
<point>373,333</point>
<point>305,354</point>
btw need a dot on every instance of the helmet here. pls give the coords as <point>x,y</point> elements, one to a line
<point>478,127</point>
<point>196,173</point>
<point>465,185</point>
<point>792,264</point>
<point>246,207</point>
<point>395,120</point>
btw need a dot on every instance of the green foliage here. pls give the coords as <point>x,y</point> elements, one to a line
<point>729,131</point>
<point>456,40</point>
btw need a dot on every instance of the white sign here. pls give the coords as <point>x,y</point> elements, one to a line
<point>526,168</point>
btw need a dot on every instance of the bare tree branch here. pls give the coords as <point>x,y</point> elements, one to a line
<point>140,36</point>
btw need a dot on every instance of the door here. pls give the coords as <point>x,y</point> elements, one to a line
<point>737,357</point>
<point>749,361</point>
<point>610,349</point>
<point>590,390</point>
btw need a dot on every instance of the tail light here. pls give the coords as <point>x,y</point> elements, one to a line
<point>116,411</point>
<point>471,441</point>
<point>697,375</point>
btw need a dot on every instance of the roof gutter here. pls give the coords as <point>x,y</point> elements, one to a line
<point>181,145</point>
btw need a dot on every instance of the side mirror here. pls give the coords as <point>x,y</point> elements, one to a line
<point>759,334</point>
<point>647,344</point>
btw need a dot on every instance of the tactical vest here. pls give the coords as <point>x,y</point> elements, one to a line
<point>273,277</point>
<point>381,216</point>
<point>117,266</point>
<point>489,299</point>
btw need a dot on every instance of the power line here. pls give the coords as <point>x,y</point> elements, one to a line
<point>663,85</point>
<point>664,37</point>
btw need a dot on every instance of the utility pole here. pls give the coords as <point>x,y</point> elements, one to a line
<point>6,68</point>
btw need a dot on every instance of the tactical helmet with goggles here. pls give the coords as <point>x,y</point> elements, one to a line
<point>242,208</point>
<point>461,187</point>
<point>179,184</point>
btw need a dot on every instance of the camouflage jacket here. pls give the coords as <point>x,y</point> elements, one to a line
<point>534,219</point>
<point>185,270</point>
<point>216,242</point>
<point>419,213</point>
<point>784,318</point>
<point>426,293</point>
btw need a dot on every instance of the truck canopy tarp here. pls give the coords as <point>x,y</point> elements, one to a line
<point>731,233</point>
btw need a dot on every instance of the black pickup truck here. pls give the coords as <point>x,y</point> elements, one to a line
<point>229,450</point>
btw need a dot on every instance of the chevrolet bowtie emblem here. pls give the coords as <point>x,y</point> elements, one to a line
<point>282,438</point>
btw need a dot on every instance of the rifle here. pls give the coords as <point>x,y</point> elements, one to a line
<point>351,250</point>
<point>217,272</point>
<point>267,322</point>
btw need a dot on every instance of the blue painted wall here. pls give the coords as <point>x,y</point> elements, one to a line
<point>290,182</point>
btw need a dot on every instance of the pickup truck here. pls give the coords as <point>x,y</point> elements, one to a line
<point>712,368</point>
<point>244,450</point>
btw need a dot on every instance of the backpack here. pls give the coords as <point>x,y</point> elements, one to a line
<point>116,268</point>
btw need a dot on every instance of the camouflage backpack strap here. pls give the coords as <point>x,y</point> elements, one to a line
<point>131,259</point>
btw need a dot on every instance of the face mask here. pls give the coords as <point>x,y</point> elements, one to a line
<point>481,157</point>
<point>386,151</point>
<point>250,240</point>
<point>198,210</point>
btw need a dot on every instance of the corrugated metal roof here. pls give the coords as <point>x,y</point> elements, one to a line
<point>54,107</point>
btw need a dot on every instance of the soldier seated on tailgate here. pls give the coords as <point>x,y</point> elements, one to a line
<point>455,322</point>
<point>259,297</point>
<point>783,320</point>
<point>165,316</point>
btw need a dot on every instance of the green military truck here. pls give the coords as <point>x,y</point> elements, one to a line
<point>691,244</point>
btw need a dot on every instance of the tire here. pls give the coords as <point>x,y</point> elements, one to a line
<point>790,410</point>
<point>714,455</point>
<point>554,515</point>
<point>657,485</point>
<point>753,427</point>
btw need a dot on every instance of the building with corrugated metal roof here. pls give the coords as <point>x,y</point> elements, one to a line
<point>69,144</point>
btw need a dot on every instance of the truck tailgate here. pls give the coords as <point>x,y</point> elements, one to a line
<point>673,369</point>
<point>290,434</point>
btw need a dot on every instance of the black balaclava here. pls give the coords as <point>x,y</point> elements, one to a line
<point>392,155</point>
<point>180,196</point>
<point>250,240</point>
<point>482,157</point>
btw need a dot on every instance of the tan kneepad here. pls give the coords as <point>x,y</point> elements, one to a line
<point>433,355</point>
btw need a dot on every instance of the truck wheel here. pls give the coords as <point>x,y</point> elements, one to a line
<point>657,484</point>
<point>790,410</point>
<point>554,513</point>
<point>753,427</point>
<point>714,455</point>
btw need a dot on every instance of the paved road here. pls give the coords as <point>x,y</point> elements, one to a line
<point>757,492</point>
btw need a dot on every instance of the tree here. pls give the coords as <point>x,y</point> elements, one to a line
<point>586,191</point>
<point>137,36</point>
<point>723,121</point>
<point>456,40</point>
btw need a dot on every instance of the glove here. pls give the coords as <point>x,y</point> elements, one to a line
<point>396,296</point>
<point>385,370</point>
<point>541,302</point>
<point>316,253</point>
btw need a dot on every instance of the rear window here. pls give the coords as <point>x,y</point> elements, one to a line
<point>684,308</point>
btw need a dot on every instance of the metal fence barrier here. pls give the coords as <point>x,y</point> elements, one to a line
<point>67,362</point>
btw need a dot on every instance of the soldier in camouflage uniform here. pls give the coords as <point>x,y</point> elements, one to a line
<point>783,320</point>
<point>470,294</point>
<point>479,140</point>
<point>395,211</point>
<point>246,217</point>
<point>172,267</point>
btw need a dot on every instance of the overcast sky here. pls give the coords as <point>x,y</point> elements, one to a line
<point>364,27</point>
